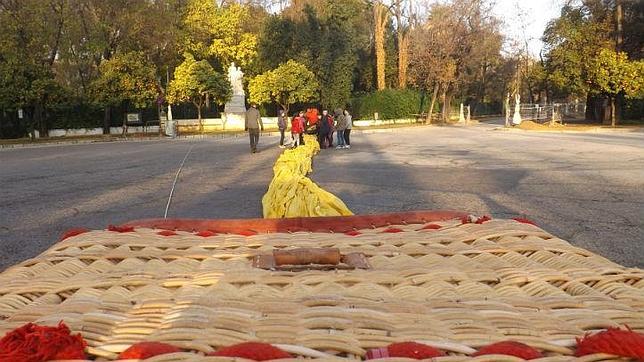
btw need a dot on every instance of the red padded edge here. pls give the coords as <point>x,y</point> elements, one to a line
<point>338,224</point>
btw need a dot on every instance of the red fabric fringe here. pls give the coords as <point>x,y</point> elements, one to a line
<point>73,232</point>
<point>143,350</point>
<point>120,229</point>
<point>405,349</point>
<point>615,341</point>
<point>167,233</point>
<point>34,343</point>
<point>206,233</point>
<point>430,227</point>
<point>247,233</point>
<point>510,348</point>
<point>252,350</point>
<point>353,233</point>
<point>392,230</point>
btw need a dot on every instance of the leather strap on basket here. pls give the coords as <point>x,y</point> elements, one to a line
<point>310,259</point>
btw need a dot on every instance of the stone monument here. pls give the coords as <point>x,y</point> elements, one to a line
<point>235,109</point>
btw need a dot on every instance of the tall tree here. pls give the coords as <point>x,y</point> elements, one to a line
<point>611,73</point>
<point>32,32</point>
<point>570,41</point>
<point>380,20</point>
<point>219,32</point>
<point>126,79</point>
<point>402,36</point>
<point>454,50</point>
<point>285,85</point>
<point>327,36</point>
<point>197,82</point>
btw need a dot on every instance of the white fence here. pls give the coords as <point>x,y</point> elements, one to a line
<point>543,113</point>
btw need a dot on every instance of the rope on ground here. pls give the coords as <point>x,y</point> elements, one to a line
<point>292,194</point>
<point>174,183</point>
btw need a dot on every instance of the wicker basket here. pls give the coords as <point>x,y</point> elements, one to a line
<point>432,279</point>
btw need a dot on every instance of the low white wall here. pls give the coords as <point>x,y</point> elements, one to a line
<point>210,124</point>
<point>381,122</point>
<point>138,129</point>
<point>75,132</point>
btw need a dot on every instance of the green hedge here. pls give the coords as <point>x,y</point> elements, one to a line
<point>388,103</point>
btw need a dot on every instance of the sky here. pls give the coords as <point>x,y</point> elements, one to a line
<point>536,14</point>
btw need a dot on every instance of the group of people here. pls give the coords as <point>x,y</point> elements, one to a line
<point>324,127</point>
<point>310,122</point>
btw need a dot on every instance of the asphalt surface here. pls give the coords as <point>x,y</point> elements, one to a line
<point>587,188</point>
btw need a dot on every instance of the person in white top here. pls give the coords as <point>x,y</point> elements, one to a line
<point>347,131</point>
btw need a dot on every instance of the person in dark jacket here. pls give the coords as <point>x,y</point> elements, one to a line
<point>325,129</point>
<point>340,126</point>
<point>329,137</point>
<point>253,125</point>
<point>281,125</point>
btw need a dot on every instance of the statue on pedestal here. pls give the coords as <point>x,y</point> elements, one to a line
<point>235,76</point>
<point>516,118</point>
<point>235,108</point>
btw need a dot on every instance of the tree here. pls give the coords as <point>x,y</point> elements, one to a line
<point>219,32</point>
<point>197,82</point>
<point>32,32</point>
<point>402,40</point>
<point>431,66</point>
<point>454,51</point>
<point>327,37</point>
<point>612,73</point>
<point>287,84</point>
<point>127,78</point>
<point>380,20</point>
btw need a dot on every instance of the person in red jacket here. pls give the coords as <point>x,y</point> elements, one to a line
<point>297,129</point>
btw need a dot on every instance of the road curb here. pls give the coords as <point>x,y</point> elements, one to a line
<point>592,130</point>
<point>136,139</point>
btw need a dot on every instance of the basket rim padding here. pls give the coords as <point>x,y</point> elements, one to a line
<point>336,224</point>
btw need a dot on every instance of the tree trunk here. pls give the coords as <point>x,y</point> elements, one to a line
<point>444,114</point>
<point>612,111</point>
<point>431,104</point>
<point>402,38</point>
<point>199,118</point>
<point>40,121</point>
<point>380,21</point>
<point>403,59</point>
<point>107,120</point>
<point>448,105</point>
<point>619,33</point>
<point>124,105</point>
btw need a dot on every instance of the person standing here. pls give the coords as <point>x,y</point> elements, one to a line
<point>281,125</point>
<point>340,126</point>
<point>347,131</point>
<point>253,126</point>
<point>302,124</point>
<point>297,129</point>
<point>329,138</point>
<point>324,130</point>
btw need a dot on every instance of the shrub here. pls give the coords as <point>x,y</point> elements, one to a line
<point>388,103</point>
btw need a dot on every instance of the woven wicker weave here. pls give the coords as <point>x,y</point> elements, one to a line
<point>456,288</point>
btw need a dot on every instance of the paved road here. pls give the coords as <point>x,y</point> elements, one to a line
<point>587,188</point>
